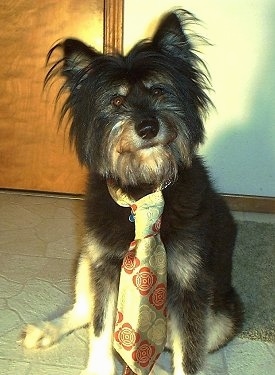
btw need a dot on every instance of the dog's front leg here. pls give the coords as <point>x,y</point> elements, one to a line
<point>44,334</point>
<point>101,359</point>
<point>188,332</point>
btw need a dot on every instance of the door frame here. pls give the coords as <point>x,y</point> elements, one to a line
<point>113,26</point>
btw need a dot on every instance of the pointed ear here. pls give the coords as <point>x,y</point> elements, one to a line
<point>170,37</point>
<point>77,57</point>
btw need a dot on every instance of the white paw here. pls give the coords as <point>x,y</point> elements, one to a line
<point>39,337</point>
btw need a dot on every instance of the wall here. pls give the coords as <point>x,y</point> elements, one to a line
<point>240,145</point>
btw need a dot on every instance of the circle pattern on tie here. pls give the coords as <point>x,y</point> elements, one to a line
<point>127,336</point>
<point>144,353</point>
<point>144,280</point>
<point>130,262</point>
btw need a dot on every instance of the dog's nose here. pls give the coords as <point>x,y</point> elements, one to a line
<point>148,129</point>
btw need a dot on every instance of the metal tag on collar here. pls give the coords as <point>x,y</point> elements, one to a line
<point>132,217</point>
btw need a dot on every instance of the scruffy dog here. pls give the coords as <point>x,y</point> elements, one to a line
<point>137,120</point>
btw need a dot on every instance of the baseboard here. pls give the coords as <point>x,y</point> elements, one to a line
<point>243,203</point>
<point>249,203</point>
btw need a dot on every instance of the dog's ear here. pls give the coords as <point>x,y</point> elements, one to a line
<point>170,37</point>
<point>77,57</point>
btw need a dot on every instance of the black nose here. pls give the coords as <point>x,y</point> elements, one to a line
<point>147,129</point>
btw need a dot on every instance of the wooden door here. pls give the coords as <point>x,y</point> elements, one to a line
<point>33,155</point>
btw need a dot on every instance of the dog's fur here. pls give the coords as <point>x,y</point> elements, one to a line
<point>138,120</point>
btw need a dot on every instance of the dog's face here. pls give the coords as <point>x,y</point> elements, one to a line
<point>136,118</point>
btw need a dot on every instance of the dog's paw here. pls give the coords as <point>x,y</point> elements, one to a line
<point>39,337</point>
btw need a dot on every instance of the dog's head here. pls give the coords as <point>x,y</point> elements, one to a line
<point>136,118</point>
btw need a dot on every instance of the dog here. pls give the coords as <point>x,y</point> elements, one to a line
<point>137,120</point>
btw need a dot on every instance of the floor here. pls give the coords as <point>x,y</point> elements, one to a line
<point>39,237</point>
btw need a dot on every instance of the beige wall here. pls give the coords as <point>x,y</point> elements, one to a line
<point>241,134</point>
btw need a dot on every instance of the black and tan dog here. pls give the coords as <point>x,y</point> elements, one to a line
<point>138,120</point>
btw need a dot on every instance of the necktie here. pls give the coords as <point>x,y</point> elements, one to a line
<point>140,329</point>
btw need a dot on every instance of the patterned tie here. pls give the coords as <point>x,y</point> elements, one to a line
<point>140,330</point>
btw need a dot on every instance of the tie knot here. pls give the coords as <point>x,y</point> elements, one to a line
<point>147,212</point>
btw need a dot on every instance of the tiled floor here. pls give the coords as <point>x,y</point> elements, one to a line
<point>38,244</point>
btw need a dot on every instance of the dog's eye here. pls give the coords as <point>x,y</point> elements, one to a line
<point>118,101</point>
<point>157,91</point>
